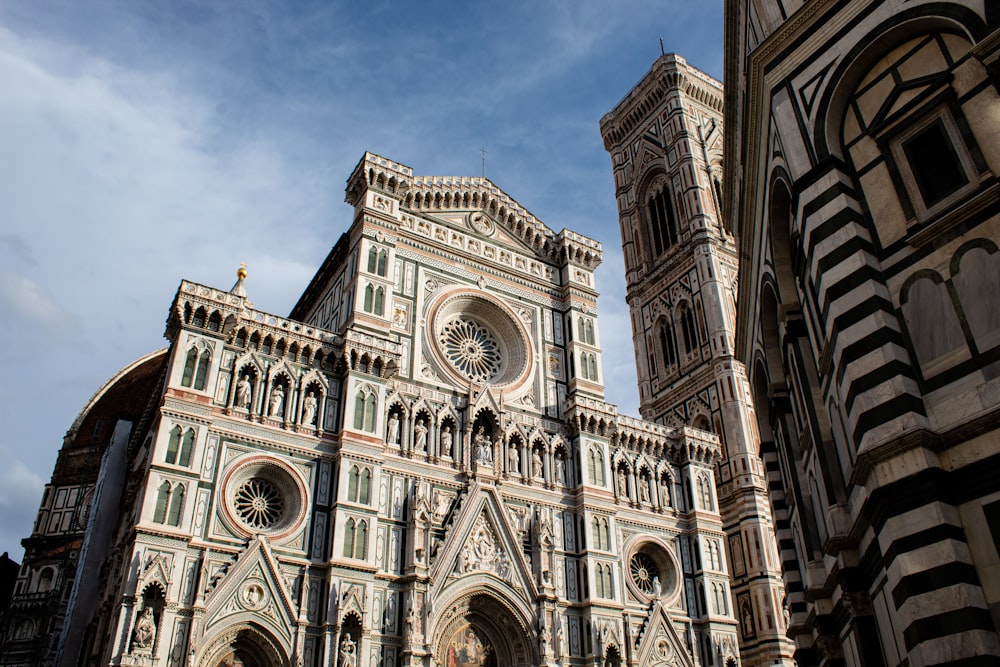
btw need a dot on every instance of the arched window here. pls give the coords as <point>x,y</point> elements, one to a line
<point>162,498</point>
<point>361,541</point>
<point>592,366</point>
<point>364,410</point>
<point>372,259</point>
<point>379,297</point>
<point>176,506</point>
<point>382,257</point>
<point>352,484</point>
<point>364,482</point>
<point>189,365</point>
<point>173,445</point>
<point>595,467</point>
<point>349,529</point>
<point>705,492</point>
<point>668,346</point>
<point>201,376</point>
<point>187,447</point>
<point>369,297</point>
<point>370,413</point>
<point>45,580</point>
<point>662,221</point>
<point>688,329</point>
<point>588,330</point>
<point>584,367</point>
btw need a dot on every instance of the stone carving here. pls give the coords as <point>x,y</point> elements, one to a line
<point>392,430</point>
<point>145,630</point>
<point>644,490</point>
<point>536,464</point>
<point>560,470</point>
<point>484,553</point>
<point>484,448</point>
<point>348,652</point>
<point>447,441</point>
<point>277,401</point>
<point>420,436</point>
<point>514,459</point>
<point>309,410</point>
<point>243,391</point>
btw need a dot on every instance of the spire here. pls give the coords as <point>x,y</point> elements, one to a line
<point>241,274</point>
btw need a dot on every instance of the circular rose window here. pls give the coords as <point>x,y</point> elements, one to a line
<point>263,494</point>
<point>478,339</point>
<point>652,570</point>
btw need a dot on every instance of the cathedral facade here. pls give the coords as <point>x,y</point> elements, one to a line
<point>415,467</point>
<point>665,139</point>
<point>861,180</point>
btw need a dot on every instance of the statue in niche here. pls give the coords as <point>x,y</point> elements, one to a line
<point>447,441</point>
<point>536,464</point>
<point>277,400</point>
<point>145,630</point>
<point>644,490</point>
<point>392,429</point>
<point>309,409</point>
<point>664,490</point>
<point>420,436</point>
<point>484,448</point>
<point>348,652</point>
<point>514,459</point>
<point>560,470</point>
<point>622,483</point>
<point>439,504</point>
<point>243,391</point>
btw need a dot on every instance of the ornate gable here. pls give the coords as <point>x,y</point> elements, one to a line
<point>482,542</point>
<point>659,645</point>
<point>253,590</point>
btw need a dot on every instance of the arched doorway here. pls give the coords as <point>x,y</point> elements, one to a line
<point>481,631</point>
<point>245,646</point>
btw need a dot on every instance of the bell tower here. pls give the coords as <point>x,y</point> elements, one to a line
<point>665,141</point>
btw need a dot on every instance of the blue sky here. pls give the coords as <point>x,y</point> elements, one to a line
<point>146,142</point>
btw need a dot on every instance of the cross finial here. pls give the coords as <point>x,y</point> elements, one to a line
<point>483,151</point>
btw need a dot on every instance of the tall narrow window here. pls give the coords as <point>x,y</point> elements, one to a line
<point>370,413</point>
<point>688,329</point>
<point>372,260</point>
<point>176,506</point>
<point>173,445</point>
<point>352,484</point>
<point>379,297</point>
<point>201,376</point>
<point>382,257</point>
<point>364,482</point>
<point>162,498</point>
<point>369,297</point>
<point>592,366</point>
<point>349,528</point>
<point>187,446</point>
<point>359,410</point>
<point>361,541</point>
<point>189,364</point>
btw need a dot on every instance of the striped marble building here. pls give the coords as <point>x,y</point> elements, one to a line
<point>862,157</point>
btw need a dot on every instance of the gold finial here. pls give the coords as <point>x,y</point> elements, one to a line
<point>241,272</point>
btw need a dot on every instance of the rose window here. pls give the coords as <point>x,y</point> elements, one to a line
<point>479,339</point>
<point>262,494</point>
<point>259,503</point>
<point>472,349</point>
<point>644,571</point>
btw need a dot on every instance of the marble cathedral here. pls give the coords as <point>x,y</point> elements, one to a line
<point>415,467</point>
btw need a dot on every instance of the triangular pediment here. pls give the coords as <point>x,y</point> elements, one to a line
<point>483,543</point>
<point>659,644</point>
<point>482,226</point>
<point>252,590</point>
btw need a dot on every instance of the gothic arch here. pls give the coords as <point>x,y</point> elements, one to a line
<point>869,49</point>
<point>250,642</point>
<point>485,614</point>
